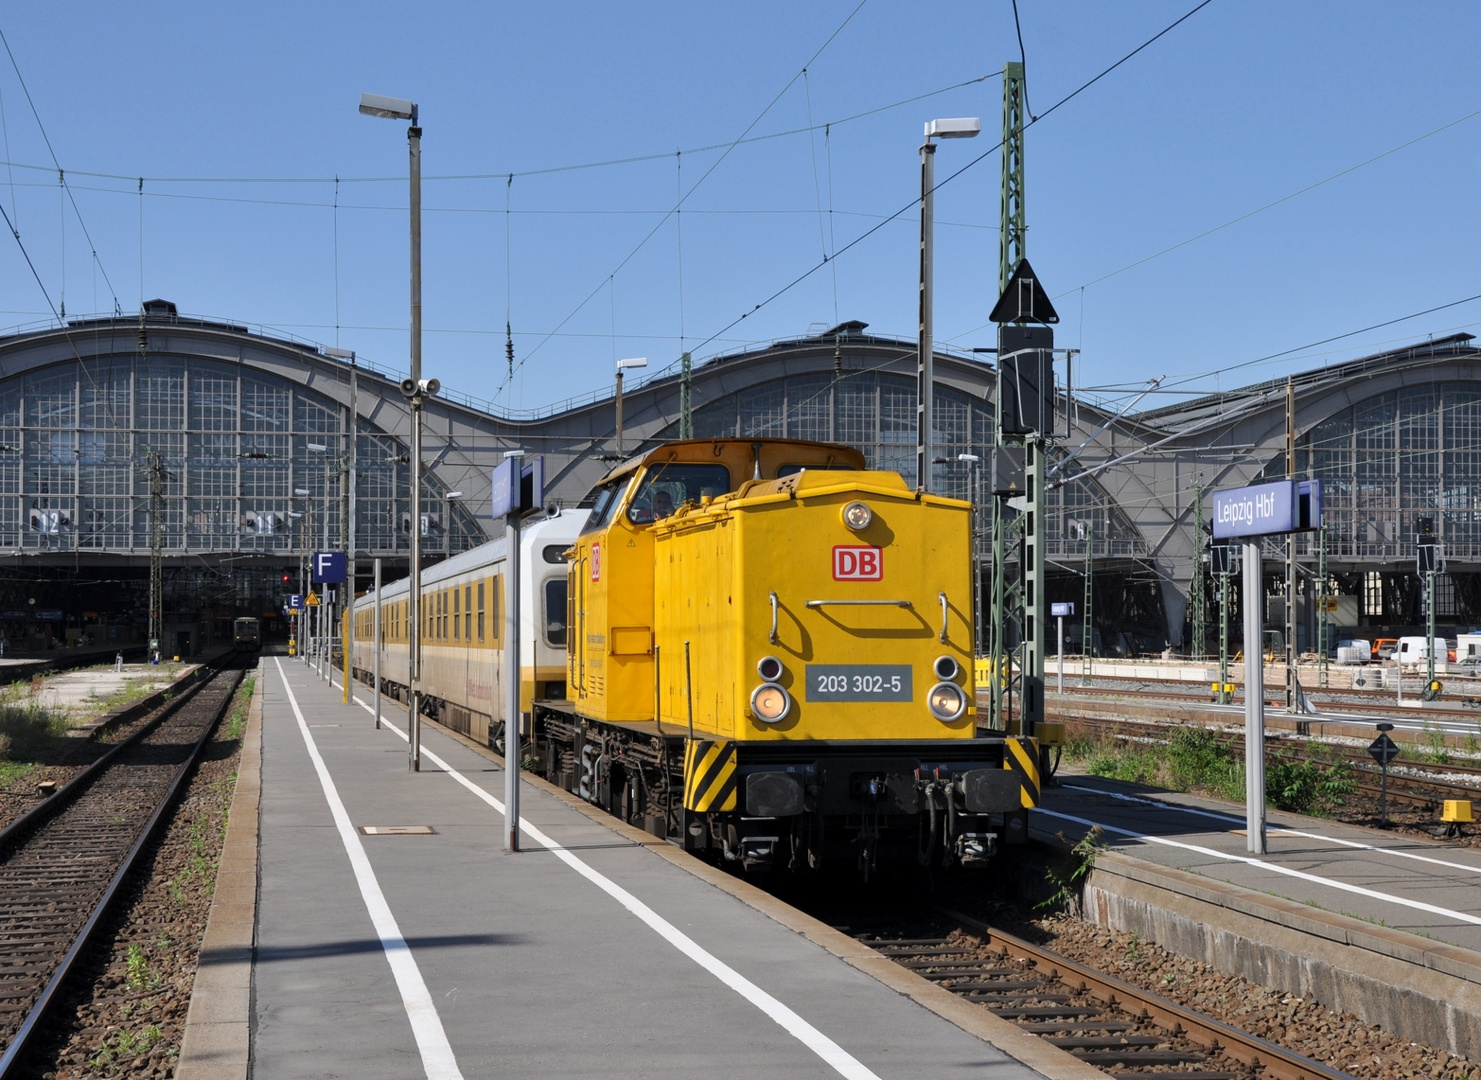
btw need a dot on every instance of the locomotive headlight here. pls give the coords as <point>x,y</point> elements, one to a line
<point>946,701</point>
<point>770,702</point>
<point>857,516</point>
<point>770,668</point>
<point>946,668</point>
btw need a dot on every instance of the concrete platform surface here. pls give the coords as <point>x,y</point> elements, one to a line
<point>1401,882</point>
<point>588,954</point>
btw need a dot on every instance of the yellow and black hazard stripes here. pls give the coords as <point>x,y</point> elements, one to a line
<point>710,779</point>
<point>1022,756</point>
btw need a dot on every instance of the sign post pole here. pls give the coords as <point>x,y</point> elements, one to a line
<point>1254,700</point>
<point>1383,750</point>
<point>517,488</point>
<point>376,633</point>
<point>1059,660</point>
<point>1059,611</point>
<point>1247,514</point>
<point>511,683</point>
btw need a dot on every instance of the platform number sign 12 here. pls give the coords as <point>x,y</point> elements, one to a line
<point>851,563</point>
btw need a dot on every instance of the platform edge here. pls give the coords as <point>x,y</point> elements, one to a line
<point>217,1041</point>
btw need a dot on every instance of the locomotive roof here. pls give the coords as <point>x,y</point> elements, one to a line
<point>665,451</point>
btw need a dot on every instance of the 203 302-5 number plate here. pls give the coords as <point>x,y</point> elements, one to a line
<point>858,682</point>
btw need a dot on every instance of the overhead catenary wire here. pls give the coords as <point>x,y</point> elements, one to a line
<point>789,286</point>
<point>635,159</point>
<point>56,163</point>
<point>725,153</point>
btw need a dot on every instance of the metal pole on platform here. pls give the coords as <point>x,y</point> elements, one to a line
<point>376,664</point>
<point>511,680</point>
<point>1059,663</point>
<point>1254,700</point>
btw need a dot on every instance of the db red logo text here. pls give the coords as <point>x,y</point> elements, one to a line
<point>858,564</point>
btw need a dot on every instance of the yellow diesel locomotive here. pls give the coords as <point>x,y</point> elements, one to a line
<point>768,661</point>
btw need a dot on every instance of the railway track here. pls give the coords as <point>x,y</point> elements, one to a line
<point>1098,1019</point>
<point>1458,708</point>
<point>1412,782</point>
<point>62,863</point>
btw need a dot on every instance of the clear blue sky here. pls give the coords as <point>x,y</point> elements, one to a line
<point>1242,105</point>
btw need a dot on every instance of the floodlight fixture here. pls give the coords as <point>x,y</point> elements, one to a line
<point>389,107</point>
<point>958,127</point>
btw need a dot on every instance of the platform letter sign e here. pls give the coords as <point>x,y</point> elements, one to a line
<point>858,564</point>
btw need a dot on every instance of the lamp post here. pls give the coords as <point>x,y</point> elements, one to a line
<point>326,613</point>
<point>305,620</point>
<point>965,127</point>
<point>447,525</point>
<point>972,461</point>
<point>298,641</point>
<point>415,389</point>
<point>623,365</point>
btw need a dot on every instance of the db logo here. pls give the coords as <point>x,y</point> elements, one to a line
<point>596,562</point>
<point>858,564</point>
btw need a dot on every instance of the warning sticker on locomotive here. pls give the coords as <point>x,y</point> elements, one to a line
<point>853,563</point>
<point>858,682</point>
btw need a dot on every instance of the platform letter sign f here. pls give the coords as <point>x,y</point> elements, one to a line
<point>329,567</point>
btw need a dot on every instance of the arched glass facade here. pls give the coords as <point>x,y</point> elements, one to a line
<point>250,463</point>
<point>1392,459</point>
<point>875,412</point>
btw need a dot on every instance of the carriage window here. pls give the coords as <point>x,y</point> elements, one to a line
<point>665,488</point>
<point>555,612</point>
<point>467,612</point>
<point>605,500</point>
<point>457,614</point>
<point>480,611</point>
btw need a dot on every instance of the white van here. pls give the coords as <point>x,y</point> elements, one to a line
<point>1411,650</point>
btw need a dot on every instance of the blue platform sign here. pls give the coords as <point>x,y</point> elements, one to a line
<point>329,568</point>
<point>506,487</point>
<point>295,603</point>
<point>518,487</point>
<point>1257,510</point>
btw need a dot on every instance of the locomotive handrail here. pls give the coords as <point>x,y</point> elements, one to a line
<point>772,639</point>
<point>944,610</point>
<point>859,603</point>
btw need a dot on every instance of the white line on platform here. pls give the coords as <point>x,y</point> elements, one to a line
<point>426,1025</point>
<point>1281,831</point>
<point>1274,868</point>
<point>836,1057</point>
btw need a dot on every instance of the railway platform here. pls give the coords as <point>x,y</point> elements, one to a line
<point>1387,879</point>
<point>395,938</point>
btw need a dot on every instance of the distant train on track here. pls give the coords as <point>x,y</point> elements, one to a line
<point>757,649</point>
<point>247,634</point>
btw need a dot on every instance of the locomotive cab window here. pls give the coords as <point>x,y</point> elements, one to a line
<point>555,612</point>
<point>604,503</point>
<point>665,488</point>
